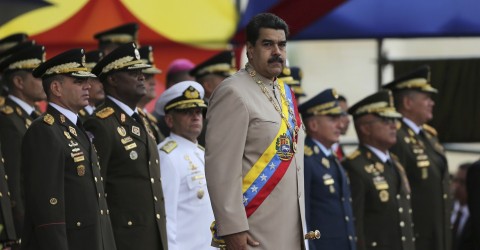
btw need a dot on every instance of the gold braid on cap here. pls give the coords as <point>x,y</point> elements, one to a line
<point>376,107</point>
<point>223,67</point>
<point>25,64</point>
<point>319,108</point>
<point>118,38</point>
<point>65,68</point>
<point>120,63</point>
<point>413,83</point>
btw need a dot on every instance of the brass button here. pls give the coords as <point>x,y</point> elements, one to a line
<point>350,237</point>
<point>374,244</point>
<point>129,223</point>
<point>408,197</point>
<point>350,199</point>
<point>158,216</point>
<point>108,211</point>
<point>152,180</point>
<point>6,177</point>
<point>343,199</point>
<point>402,224</point>
<point>398,197</point>
<point>53,201</point>
<point>101,211</point>
<point>445,196</point>
<point>101,178</point>
<point>403,238</point>
<point>1,195</point>
<point>155,198</point>
<point>410,211</point>
<point>105,195</point>
<point>79,224</point>
<point>95,178</point>
<point>400,210</point>
<point>346,218</point>
<point>413,239</point>
<point>149,163</point>
<point>8,193</point>
<point>99,195</point>
<point>156,161</point>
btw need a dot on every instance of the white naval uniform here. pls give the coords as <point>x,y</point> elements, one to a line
<point>187,203</point>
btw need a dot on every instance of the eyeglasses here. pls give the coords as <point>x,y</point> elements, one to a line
<point>191,112</point>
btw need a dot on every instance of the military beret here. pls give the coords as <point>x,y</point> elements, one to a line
<point>92,58</point>
<point>70,63</point>
<point>419,79</point>
<point>183,95</point>
<point>26,59</point>
<point>122,34</point>
<point>380,103</point>
<point>12,40</point>
<point>222,64</point>
<point>325,103</point>
<point>146,55</point>
<point>125,57</point>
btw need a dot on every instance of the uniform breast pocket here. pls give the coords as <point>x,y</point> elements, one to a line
<point>197,188</point>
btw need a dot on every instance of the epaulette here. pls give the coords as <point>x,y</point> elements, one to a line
<point>7,110</point>
<point>169,147</point>
<point>431,130</point>
<point>141,111</point>
<point>48,119</point>
<point>82,112</point>
<point>307,150</point>
<point>353,155</point>
<point>104,113</point>
<point>201,147</point>
<point>2,100</point>
<point>394,156</point>
<point>152,118</point>
<point>399,125</point>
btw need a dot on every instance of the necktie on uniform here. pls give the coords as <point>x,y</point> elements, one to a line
<point>34,115</point>
<point>137,118</point>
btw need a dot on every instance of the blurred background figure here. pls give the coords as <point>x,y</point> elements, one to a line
<point>96,92</point>
<point>337,147</point>
<point>293,77</point>
<point>111,39</point>
<point>461,228</point>
<point>473,185</point>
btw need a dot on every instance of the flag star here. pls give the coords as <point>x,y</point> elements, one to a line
<point>254,188</point>
<point>263,177</point>
<point>272,166</point>
<point>245,199</point>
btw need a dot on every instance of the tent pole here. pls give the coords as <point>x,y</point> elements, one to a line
<point>380,61</point>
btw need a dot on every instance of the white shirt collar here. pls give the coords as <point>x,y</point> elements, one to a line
<point>66,112</point>
<point>383,156</point>
<point>27,108</point>
<point>326,152</point>
<point>89,109</point>
<point>181,140</point>
<point>412,125</point>
<point>123,106</point>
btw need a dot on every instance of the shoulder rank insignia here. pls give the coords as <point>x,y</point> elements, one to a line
<point>48,119</point>
<point>104,113</point>
<point>2,100</point>
<point>431,130</point>
<point>152,118</point>
<point>201,147</point>
<point>353,155</point>
<point>307,150</point>
<point>7,110</point>
<point>169,147</point>
<point>394,156</point>
<point>399,125</point>
<point>140,111</point>
<point>82,112</point>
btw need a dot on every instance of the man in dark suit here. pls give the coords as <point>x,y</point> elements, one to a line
<point>128,153</point>
<point>380,189</point>
<point>327,193</point>
<point>423,158</point>
<point>64,198</point>
<point>17,115</point>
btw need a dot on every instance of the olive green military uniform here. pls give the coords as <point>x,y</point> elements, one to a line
<point>424,160</point>
<point>8,233</point>
<point>381,201</point>
<point>130,166</point>
<point>152,122</point>
<point>64,199</point>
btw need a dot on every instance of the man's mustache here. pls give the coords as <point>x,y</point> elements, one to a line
<point>275,59</point>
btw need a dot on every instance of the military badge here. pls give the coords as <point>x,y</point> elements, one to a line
<point>79,158</point>
<point>81,170</point>
<point>62,118</point>
<point>326,162</point>
<point>122,117</point>
<point>369,168</point>
<point>316,150</point>
<point>380,183</point>
<point>72,130</point>
<point>121,131</point>
<point>19,110</point>
<point>133,155</point>
<point>28,122</point>
<point>384,196</point>
<point>126,139</point>
<point>379,166</point>
<point>74,150</point>
<point>136,130</point>
<point>406,139</point>
<point>284,147</point>
<point>72,144</point>
<point>200,193</point>
<point>67,135</point>
<point>130,146</point>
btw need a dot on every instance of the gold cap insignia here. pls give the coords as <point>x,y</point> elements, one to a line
<point>191,93</point>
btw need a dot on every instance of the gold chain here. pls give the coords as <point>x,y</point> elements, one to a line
<point>283,98</point>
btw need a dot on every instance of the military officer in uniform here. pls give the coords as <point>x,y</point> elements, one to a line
<point>423,158</point>
<point>128,153</point>
<point>8,236</point>
<point>96,92</point>
<point>17,115</point>
<point>182,163</point>
<point>327,192</point>
<point>380,189</point>
<point>146,55</point>
<point>254,135</point>
<point>64,199</point>
<point>110,39</point>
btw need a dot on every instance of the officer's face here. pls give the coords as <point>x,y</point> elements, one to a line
<point>379,132</point>
<point>267,55</point>
<point>421,107</point>
<point>33,89</point>
<point>129,84</point>
<point>345,119</point>
<point>71,93</point>
<point>325,128</point>
<point>97,95</point>
<point>458,186</point>
<point>186,122</point>
<point>150,85</point>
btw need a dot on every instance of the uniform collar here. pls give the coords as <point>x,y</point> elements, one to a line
<point>89,109</point>
<point>383,156</point>
<point>123,106</point>
<point>326,152</point>
<point>181,140</point>
<point>66,112</point>
<point>412,125</point>
<point>27,108</point>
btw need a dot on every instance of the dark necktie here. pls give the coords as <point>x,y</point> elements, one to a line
<point>80,126</point>
<point>34,115</point>
<point>137,118</point>
<point>456,223</point>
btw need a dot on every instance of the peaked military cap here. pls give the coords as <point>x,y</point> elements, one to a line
<point>12,40</point>
<point>122,34</point>
<point>15,49</point>
<point>380,103</point>
<point>125,57</point>
<point>292,76</point>
<point>92,58</point>
<point>222,64</point>
<point>70,63</point>
<point>25,59</point>
<point>183,95</point>
<point>146,55</point>
<point>325,103</point>
<point>419,79</point>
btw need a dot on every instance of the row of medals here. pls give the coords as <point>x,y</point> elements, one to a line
<point>198,177</point>
<point>76,153</point>
<point>418,148</point>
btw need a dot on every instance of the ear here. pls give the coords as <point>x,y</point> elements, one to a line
<point>56,88</point>
<point>169,120</point>
<point>364,129</point>
<point>312,124</point>
<point>112,80</point>
<point>18,82</point>
<point>407,103</point>
<point>250,48</point>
